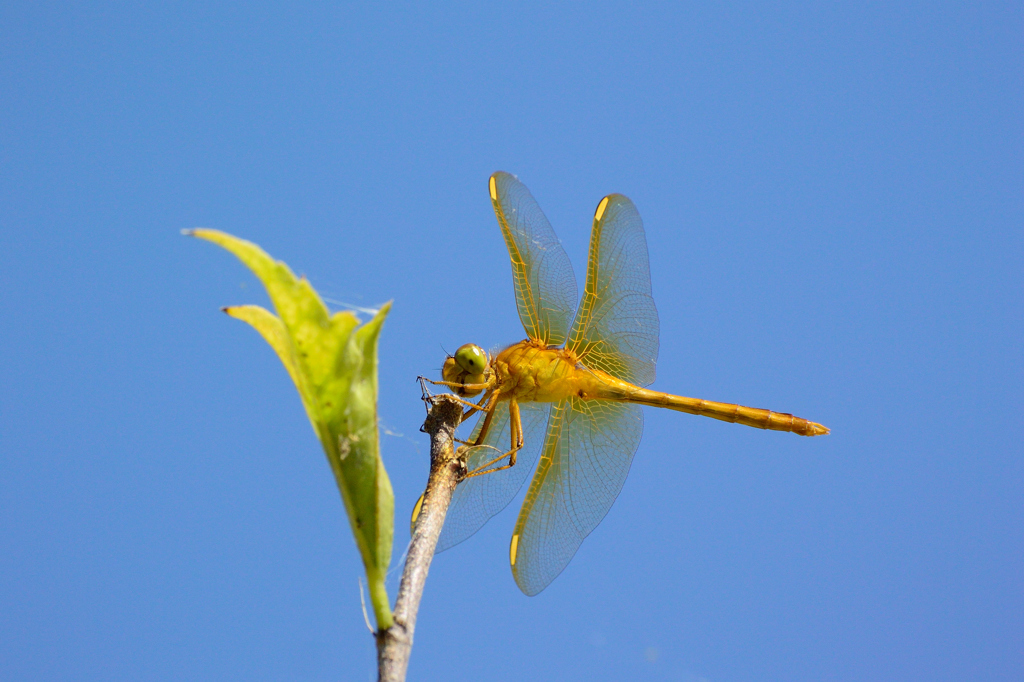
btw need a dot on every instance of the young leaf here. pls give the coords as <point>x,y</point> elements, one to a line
<point>333,362</point>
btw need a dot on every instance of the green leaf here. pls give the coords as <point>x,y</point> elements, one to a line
<point>333,362</point>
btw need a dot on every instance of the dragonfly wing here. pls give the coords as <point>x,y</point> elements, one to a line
<point>616,327</point>
<point>477,499</point>
<point>544,281</point>
<point>587,454</point>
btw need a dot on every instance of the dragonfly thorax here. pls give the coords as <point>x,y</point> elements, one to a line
<point>530,371</point>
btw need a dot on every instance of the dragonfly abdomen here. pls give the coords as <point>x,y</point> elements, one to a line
<point>729,412</point>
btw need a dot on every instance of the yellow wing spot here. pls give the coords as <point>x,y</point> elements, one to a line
<point>415,515</point>
<point>600,209</point>
<point>494,189</point>
<point>513,549</point>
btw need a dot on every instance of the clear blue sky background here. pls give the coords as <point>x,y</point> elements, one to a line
<point>834,208</point>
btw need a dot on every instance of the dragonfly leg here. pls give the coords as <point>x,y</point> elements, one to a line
<point>470,406</point>
<point>480,406</point>
<point>517,444</point>
<point>488,410</point>
<point>476,407</point>
<point>455,384</point>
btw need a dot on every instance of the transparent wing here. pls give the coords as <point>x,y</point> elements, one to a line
<point>544,281</point>
<point>616,327</point>
<point>479,498</point>
<point>586,457</point>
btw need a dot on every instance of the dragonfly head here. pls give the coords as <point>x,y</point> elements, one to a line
<point>469,365</point>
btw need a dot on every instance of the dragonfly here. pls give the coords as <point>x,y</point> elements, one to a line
<point>570,394</point>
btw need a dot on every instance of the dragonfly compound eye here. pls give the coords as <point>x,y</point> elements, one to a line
<point>471,358</point>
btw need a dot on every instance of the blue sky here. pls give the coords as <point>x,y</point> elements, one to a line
<point>833,204</point>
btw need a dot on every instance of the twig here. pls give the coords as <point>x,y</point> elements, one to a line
<point>395,644</point>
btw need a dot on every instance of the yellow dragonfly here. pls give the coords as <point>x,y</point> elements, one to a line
<point>570,392</point>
